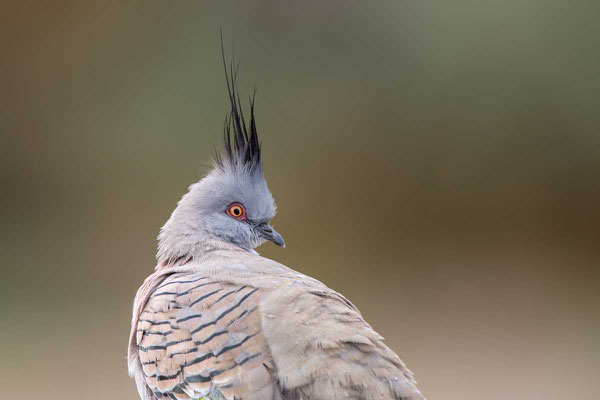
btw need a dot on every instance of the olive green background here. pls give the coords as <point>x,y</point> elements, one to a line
<point>438,162</point>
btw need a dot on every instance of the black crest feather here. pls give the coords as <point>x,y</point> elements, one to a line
<point>241,144</point>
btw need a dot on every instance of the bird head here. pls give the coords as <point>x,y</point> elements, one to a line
<point>232,203</point>
<point>234,199</point>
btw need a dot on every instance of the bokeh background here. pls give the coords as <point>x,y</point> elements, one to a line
<point>437,162</point>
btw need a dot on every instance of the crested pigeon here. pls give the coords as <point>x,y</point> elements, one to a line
<point>218,321</point>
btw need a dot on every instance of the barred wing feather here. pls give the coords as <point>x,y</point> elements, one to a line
<point>199,337</point>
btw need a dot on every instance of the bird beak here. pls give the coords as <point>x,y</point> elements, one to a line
<point>266,231</point>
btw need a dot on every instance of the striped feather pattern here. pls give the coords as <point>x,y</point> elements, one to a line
<point>197,336</point>
<point>240,326</point>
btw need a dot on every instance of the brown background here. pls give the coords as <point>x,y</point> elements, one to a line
<point>436,162</point>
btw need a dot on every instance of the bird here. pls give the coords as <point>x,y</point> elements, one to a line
<point>217,321</point>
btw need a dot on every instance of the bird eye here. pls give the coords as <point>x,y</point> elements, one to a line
<point>237,211</point>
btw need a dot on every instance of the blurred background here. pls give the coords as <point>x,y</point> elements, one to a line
<point>436,162</point>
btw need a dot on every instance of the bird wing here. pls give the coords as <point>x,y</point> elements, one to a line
<point>198,337</point>
<point>334,354</point>
<point>250,328</point>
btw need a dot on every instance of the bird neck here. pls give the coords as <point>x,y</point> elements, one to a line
<point>179,244</point>
<point>182,251</point>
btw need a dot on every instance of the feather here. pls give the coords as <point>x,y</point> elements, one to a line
<point>242,148</point>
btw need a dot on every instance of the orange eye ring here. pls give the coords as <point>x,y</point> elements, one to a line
<point>236,211</point>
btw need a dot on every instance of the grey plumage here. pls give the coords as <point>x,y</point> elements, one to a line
<point>217,320</point>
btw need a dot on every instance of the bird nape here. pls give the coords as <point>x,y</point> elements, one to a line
<point>218,321</point>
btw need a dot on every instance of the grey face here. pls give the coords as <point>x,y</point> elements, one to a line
<point>232,202</point>
<point>235,204</point>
